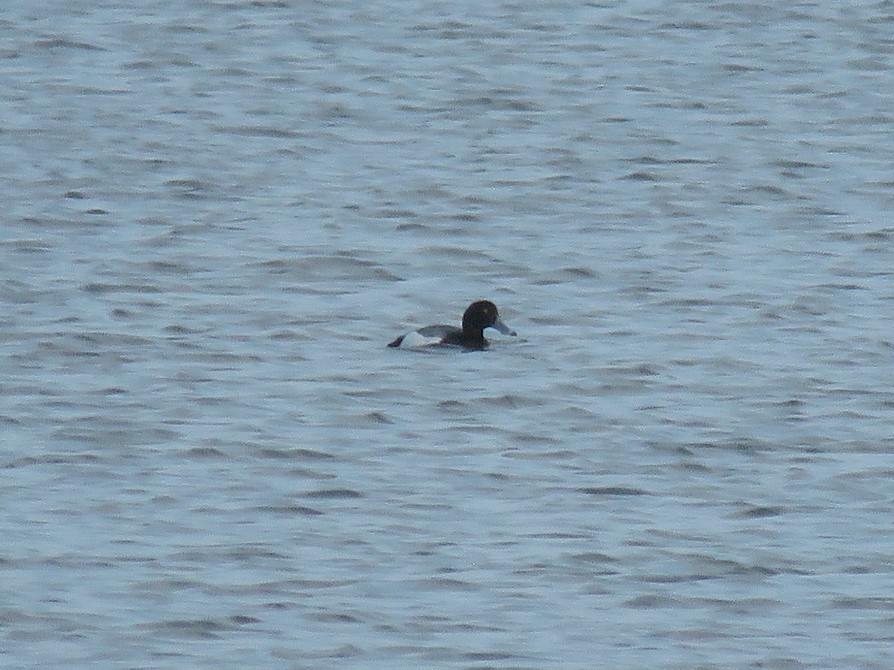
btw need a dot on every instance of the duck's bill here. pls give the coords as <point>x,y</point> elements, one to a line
<point>503,328</point>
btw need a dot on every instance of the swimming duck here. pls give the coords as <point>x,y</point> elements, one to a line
<point>478,316</point>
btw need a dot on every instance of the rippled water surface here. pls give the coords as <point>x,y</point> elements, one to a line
<point>216,215</point>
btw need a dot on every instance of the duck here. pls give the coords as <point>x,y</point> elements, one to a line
<point>479,315</point>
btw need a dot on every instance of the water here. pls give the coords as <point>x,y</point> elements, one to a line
<point>217,214</point>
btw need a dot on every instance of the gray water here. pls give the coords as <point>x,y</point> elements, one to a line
<point>215,216</point>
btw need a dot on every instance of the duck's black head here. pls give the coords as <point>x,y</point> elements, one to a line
<point>480,315</point>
